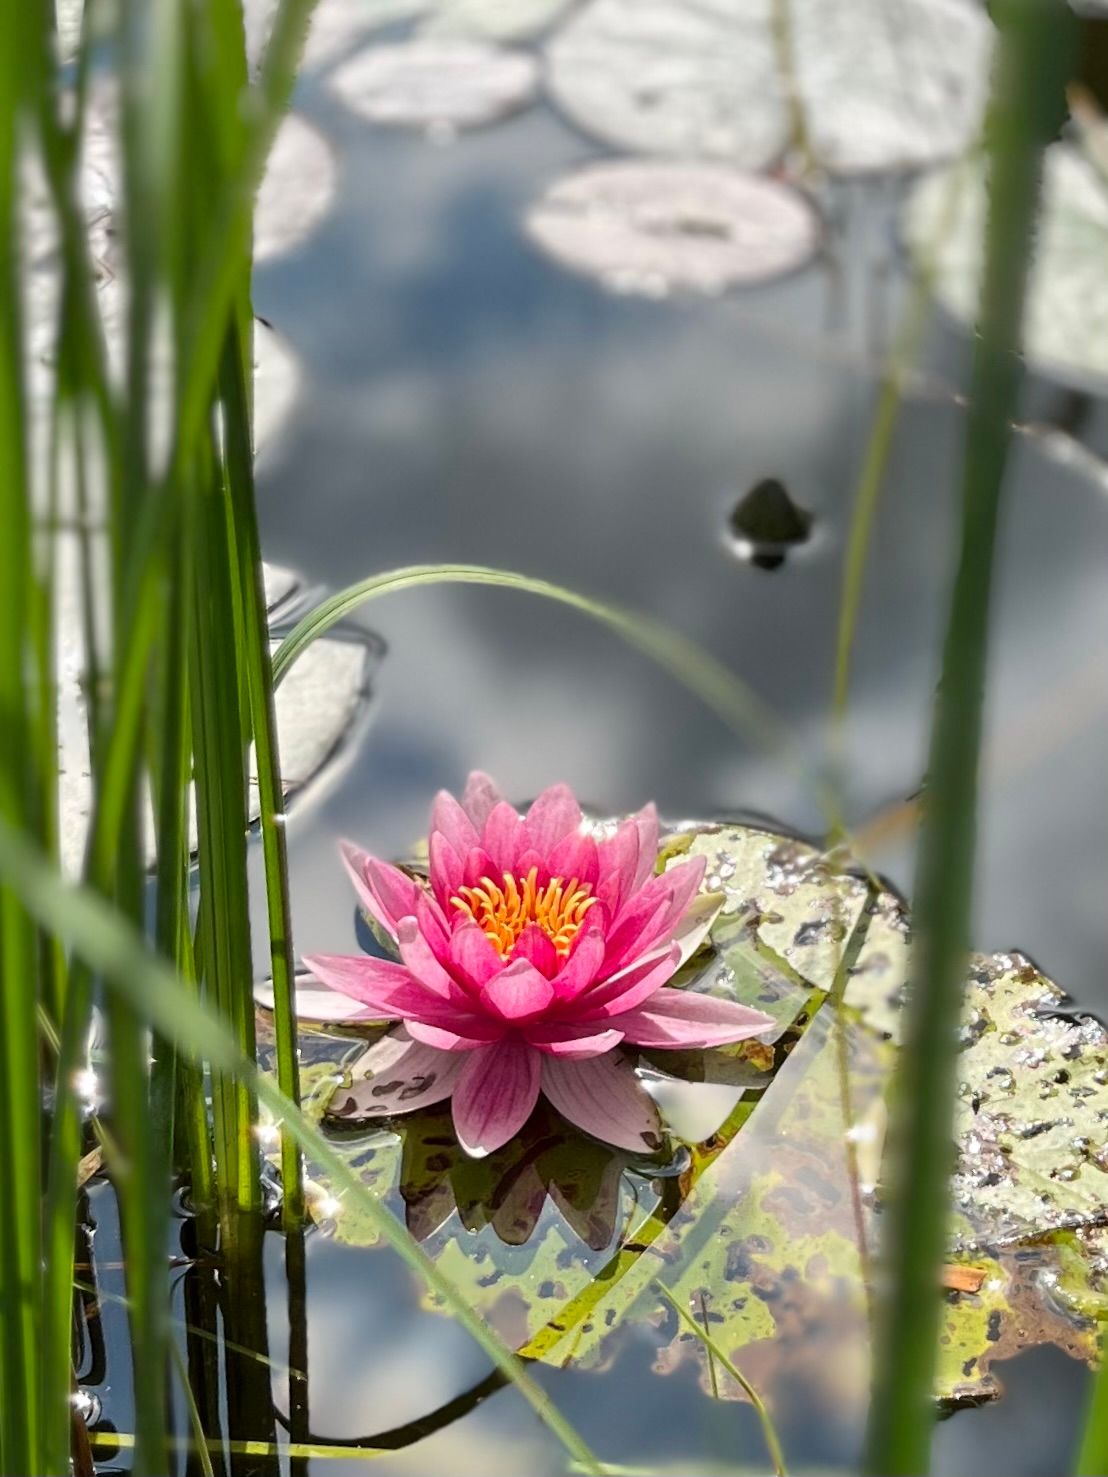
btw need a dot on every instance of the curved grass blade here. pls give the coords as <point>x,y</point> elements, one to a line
<point>769,1430</point>
<point>717,687</point>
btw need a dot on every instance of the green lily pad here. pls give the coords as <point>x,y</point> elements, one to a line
<point>767,1229</point>
<point>1066,325</point>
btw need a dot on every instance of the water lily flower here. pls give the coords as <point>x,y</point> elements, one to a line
<point>532,956</point>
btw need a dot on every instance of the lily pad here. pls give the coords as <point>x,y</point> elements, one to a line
<point>1066,325</point>
<point>767,1228</point>
<point>493,20</point>
<point>298,186</point>
<point>318,707</point>
<point>441,86</point>
<point>337,27</point>
<point>880,85</point>
<point>647,226</point>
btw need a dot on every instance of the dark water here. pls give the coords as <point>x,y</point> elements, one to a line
<point>465,400</point>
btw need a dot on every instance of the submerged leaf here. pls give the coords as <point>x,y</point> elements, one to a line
<point>648,227</point>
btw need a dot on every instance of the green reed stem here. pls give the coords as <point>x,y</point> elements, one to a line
<point>21,1447</point>
<point>113,947</point>
<point>263,722</point>
<point>1027,107</point>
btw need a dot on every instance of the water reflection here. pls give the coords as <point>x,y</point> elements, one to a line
<point>506,1191</point>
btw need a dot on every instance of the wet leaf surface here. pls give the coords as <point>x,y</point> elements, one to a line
<point>765,1227</point>
<point>880,85</point>
<point>1066,325</point>
<point>647,227</point>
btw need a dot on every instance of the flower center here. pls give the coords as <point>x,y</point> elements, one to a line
<point>505,911</point>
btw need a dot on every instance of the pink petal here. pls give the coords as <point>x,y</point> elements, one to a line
<point>480,798</point>
<point>433,926</point>
<point>473,954</point>
<point>647,824</point>
<point>518,993</point>
<point>643,925</point>
<point>496,1092</point>
<point>673,1018</point>
<point>575,856</point>
<point>396,894</point>
<point>605,1098</point>
<point>447,871</point>
<point>527,858</point>
<point>535,947</point>
<point>478,864</point>
<point>501,838</point>
<point>618,858</point>
<point>561,1039</point>
<point>579,970</point>
<point>553,815</point>
<point>472,1032</point>
<point>318,1006</point>
<point>381,987</point>
<point>448,817</point>
<point>390,991</point>
<point>396,1075</point>
<point>356,861</point>
<point>629,988</point>
<point>695,926</point>
<point>423,962</point>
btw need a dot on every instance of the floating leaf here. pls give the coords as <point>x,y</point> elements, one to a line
<point>441,86</point>
<point>645,226</point>
<point>297,188</point>
<point>336,29</point>
<point>317,707</point>
<point>493,20</point>
<point>276,381</point>
<point>1066,322</point>
<point>886,84</point>
<point>766,1229</point>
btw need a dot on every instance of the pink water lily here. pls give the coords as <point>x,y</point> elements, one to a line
<point>533,955</point>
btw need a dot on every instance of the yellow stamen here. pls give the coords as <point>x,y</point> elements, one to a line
<point>504,911</point>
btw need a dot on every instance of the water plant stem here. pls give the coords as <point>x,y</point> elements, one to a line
<point>1027,100</point>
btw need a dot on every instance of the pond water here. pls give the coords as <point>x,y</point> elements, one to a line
<point>462,398</point>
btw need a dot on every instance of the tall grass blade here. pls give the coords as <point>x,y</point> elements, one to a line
<point>115,949</point>
<point>1027,108</point>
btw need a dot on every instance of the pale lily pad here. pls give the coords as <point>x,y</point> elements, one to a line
<point>493,20</point>
<point>336,29</point>
<point>646,226</point>
<point>318,707</point>
<point>298,186</point>
<point>276,382</point>
<point>881,85</point>
<point>1065,330</point>
<point>441,86</point>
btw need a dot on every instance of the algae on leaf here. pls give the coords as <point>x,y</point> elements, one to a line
<point>767,1229</point>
